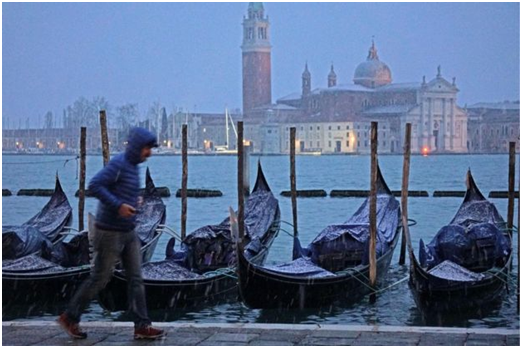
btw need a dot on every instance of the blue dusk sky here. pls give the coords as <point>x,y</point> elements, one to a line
<point>188,54</point>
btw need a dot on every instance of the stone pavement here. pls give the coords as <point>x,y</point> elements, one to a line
<point>42,333</point>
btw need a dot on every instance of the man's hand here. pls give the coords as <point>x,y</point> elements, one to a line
<point>126,210</point>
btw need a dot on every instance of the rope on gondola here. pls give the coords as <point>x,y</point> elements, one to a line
<point>411,222</point>
<point>227,272</point>
<point>41,162</point>
<point>170,231</point>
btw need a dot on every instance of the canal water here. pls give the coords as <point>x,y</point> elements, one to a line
<point>394,306</point>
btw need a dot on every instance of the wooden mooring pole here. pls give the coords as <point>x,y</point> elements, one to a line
<point>511,188</point>
<point>240,183</point>
<point>373,211</point>
<point>518,258</point>
<point>81,192</point>
<point>104,138</point>
<point>404,193</point>
<point>247,150</point>
<point>293,186</point>
<point>184,181</point>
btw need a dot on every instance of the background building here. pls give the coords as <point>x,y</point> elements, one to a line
<point>492,126</point>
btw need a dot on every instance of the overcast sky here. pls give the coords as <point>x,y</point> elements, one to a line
<point>188,54</point>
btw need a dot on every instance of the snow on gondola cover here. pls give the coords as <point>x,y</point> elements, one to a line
<point>474,239</point>
<point>211,247</point>
<point>41,230</point>
<point>345,245</point>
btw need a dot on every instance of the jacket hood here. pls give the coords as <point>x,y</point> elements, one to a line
<point>139,138</point>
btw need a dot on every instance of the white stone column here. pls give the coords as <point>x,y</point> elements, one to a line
<point>443,128</point>
<point>421,125</point>
<point>452,124</point>
<point>430,123</point>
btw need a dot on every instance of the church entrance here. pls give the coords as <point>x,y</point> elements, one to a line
<point>338,146</point>
<point>436,135</point>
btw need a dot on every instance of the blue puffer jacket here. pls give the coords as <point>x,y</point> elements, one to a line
<point>119,182</point>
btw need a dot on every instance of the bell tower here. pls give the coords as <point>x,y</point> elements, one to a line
<point>256,48</point>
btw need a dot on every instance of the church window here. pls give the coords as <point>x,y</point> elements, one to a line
<point>348,127</point>
<point>329,127</point>
<point>358,143</point>
<point>311,144</point>
<point>347,134</point>
<point>358,134</point>
<point>329,135</point>
<point>329,143</point>
<point>338,127</point>
<point>269,131</point>
<point>318,128</point>
<point>302,128</point>
<point>366,143</point>
<point>318,144</point>
<point>347,143</point>
<point>311,127</point>
<point>384,134</point>
<point>250,33</point>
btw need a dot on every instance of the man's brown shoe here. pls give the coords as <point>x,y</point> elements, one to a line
<point>148,332</point>
<point>71,328</point>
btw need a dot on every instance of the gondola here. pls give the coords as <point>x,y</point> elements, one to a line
<point>41,230</point>
<point>55,275</point>
<point>466,266</point>
<point>333,268</point>
<point>203,271</point>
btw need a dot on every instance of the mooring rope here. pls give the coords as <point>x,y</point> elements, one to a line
<point>221,271</point>
<point>41,162</point>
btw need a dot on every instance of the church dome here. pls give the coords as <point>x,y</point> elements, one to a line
<point>372,73</point>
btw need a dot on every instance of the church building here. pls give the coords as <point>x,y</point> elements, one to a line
<point>336,118</point>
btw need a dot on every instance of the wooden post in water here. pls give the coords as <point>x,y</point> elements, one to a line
<point>247,149</point>
<point>511,188</point>
<point>518,257</point>
<point>104,137</point>
<point>373,211</point>
<point>184,181</point>
<point>81,193</point>
<point>293,188</point>
<point>240,183</point>
<point>404,193</point>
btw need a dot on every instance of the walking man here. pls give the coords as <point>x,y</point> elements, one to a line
<point>117,186</point>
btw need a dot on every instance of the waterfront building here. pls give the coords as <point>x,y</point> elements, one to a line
<point>58,140</point>
<point>492,126</point>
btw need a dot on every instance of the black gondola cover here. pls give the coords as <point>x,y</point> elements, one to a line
<point>211,247</point>
<point>349,241</point>
<point>474,238</point>
<point>39,231</point>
